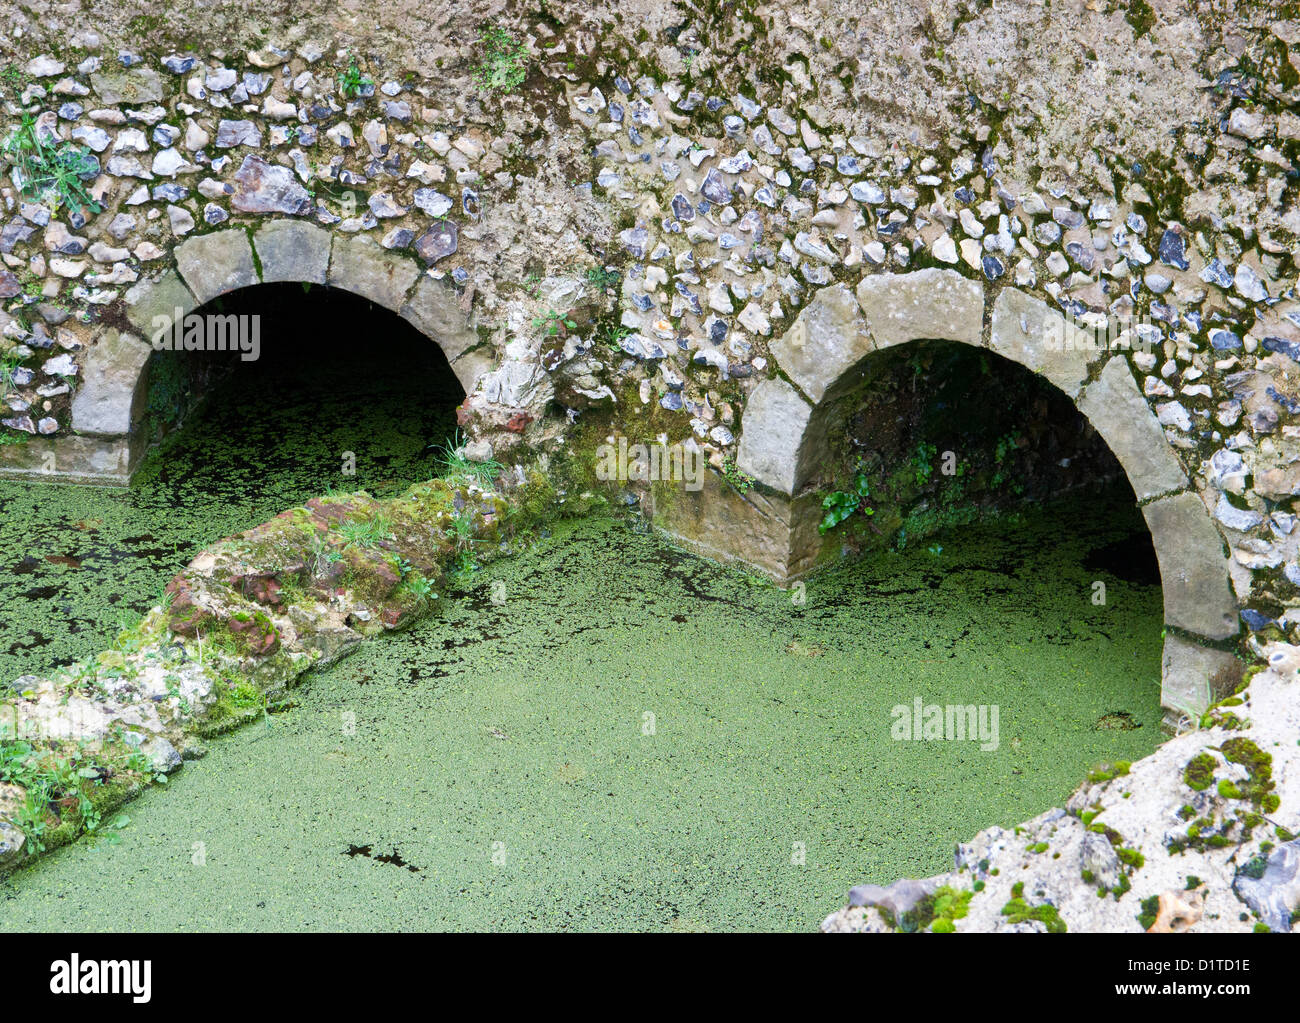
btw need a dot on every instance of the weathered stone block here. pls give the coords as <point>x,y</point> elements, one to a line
<point>213,264</point>
<point>1193,677</point>
<point>1117,410</point>
<point>472,367</point>
<point>1028,331</point>
<point>762,531</point>
<point>76,459</point>
<point>360,266</point>
<point>776,420</point>
<point>930,303</point>
<point>1193,570</point>
<point>825,342</point>
<point>434,310</point>
<point>292,250</point>
<point>111,395</point>
<point>161,296</point>
<point>137,85</point>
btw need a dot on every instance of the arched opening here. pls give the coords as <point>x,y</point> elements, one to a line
<point>990,510</point>
<point>933,436</point>
<point>339,383</point>
<point>821,357</point>
<point>316,389</point>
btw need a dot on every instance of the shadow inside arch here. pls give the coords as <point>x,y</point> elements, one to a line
<point>295,388</point>
<point>938,435</point>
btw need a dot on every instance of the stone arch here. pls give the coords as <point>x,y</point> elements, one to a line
<point>821,358</point>
<point>107,410</point>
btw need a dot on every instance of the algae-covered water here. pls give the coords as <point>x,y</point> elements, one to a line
<point>78,564</point>
<point>635,739</point>
<point>602,732</point>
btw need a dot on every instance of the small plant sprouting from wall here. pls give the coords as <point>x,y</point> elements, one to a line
<point>612,336</point>
<point>53,173</point>
<point>553,324</point>
<point>734,475</point>
<point>453,466</point>
<point>603,278</point>
<point>13,77</point>
<point>352,82</point>
<point>840,504</point>
<point>505,61</point>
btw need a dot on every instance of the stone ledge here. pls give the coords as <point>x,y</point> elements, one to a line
<point>95,460</point>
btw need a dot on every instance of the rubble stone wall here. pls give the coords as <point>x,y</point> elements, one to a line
<point>712,214</point>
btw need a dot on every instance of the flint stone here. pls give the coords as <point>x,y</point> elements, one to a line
<point>265,188</point>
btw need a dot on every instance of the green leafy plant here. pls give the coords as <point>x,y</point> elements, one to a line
<point>455,466</point>
<point>950,904</point>
<point>245,695</point>
<point>612,336</point>
<point>352,82</point>
<point>58,786</point>
<point>840,504</point>
<point>33,817</point>
<point>1018,911</point>
<point>366,532</point>
<point>53,173</point>
<point>418,585</point>
<point>602,278</point>
<point>13,77</point>
<point>14,763</point>
<point>553,323</point>
<point>8,366</point>
<point>505,61</point>
<point>739,479</point>
<point>462,532</point>
<point>922,464</point>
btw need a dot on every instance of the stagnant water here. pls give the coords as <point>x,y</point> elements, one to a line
<point>495,767</point>
<point>633,739</point>
<point>78,564</point>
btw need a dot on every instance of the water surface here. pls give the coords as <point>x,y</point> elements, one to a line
<point>497,768</point>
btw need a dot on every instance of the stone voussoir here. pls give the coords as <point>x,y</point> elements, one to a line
<point>1193,569</point>
<point>149,301</point>
<point>1194,676</point>
<point>292,251</point>
<point>360,266</point>
<point>434,309</point>
<point>776,419</point>
<point>930,304</point>
<point>1027,330</point>
<point>1116,409</point>
<point>825,342</point>
<point>216,263</point>
<point>110,399</point>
